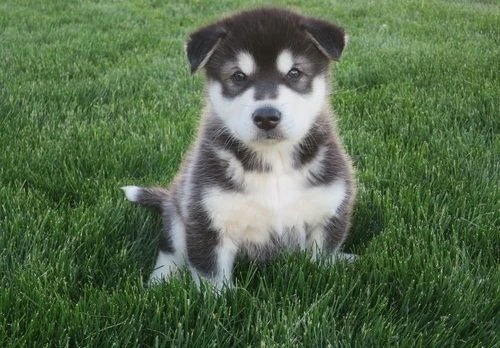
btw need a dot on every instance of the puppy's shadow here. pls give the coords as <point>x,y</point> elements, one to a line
<point>367,223</point>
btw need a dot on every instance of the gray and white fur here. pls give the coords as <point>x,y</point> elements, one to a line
<point>268,171</point>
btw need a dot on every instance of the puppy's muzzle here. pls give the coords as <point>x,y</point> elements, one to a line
<point>266,118</point>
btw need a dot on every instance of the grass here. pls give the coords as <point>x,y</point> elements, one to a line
<point>95,95</point>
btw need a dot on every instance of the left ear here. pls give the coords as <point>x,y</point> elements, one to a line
<point>202,44</point>
<point>329,38</point>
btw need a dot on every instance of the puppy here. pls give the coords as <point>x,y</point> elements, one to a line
<point>268,171</point>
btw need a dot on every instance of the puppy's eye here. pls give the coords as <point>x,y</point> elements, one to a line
<point>239,76</point>
<point>294,73</point>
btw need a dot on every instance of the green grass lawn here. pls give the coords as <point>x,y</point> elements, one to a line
<point>97,94</point>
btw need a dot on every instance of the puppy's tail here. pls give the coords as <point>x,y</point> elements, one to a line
<point>152,198</point>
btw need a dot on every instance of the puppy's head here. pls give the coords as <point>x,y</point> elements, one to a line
<point>266,71</point>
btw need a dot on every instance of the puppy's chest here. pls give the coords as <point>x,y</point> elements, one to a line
<point>275,205</point>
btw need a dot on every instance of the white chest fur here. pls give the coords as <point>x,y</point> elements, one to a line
<point>271,204</point>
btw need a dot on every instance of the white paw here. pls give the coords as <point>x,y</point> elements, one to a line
<point>167,265</point>
<point>161,275</point>
<point>339,256</point>
<point>217,285</point>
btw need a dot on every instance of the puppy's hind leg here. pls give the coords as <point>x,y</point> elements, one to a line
<point>172,246</point>
<point>172,241</point>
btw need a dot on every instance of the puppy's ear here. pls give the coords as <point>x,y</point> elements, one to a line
<point>202,44</point>
<point>329,38</point>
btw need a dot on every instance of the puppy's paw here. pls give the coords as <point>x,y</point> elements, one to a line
<point>340,256</point>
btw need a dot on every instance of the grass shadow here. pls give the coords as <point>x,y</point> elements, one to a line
<point>367,222</point>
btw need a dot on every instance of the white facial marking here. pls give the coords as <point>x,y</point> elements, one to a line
<point>299,111</point>
<point>235,112</point>
<point>284,62</point>
<point>246,63</point>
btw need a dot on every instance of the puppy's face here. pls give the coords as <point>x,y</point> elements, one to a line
<point>267,72</point>
<point>267,102</point>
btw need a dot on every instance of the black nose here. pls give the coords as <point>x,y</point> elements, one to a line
<point>266,118</point>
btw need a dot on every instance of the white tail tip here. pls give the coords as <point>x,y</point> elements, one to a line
<point>131,192</point>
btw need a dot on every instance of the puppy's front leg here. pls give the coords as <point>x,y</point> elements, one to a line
<point>226,254</point>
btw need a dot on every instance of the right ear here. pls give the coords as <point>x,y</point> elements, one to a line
<point>329,38</point>
<point>202,44</point>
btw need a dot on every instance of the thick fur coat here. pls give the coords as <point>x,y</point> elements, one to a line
<point>268,171</point>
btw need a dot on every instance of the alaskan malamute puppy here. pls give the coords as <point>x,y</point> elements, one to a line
<point>268,171</point>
